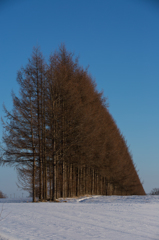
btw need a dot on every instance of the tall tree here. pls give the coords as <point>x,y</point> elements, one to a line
<point>22,136</point>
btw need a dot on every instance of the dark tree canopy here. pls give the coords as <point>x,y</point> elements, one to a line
<point>60,135</point>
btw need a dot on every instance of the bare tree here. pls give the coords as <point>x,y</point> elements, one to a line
<point>155,191</point>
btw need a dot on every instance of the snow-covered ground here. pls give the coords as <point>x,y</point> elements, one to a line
<point>96,217</point>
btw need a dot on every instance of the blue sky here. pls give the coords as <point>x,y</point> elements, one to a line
<point>119,40</point>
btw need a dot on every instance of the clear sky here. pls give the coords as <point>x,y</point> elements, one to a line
<point>119,40</point>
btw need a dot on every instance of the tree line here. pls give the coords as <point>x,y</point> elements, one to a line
<point>60,135</point>
<point>155,191</point>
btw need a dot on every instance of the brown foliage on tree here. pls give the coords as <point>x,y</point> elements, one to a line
<point>2,195</point>
<point>60,135</point>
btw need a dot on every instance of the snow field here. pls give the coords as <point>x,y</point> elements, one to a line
<point>96,217</point>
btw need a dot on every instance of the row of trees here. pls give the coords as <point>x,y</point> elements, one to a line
<point>61,137</point>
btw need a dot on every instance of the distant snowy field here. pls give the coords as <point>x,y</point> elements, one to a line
<point>95,217</point>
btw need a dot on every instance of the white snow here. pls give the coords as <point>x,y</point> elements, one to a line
<point>95,217</point>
